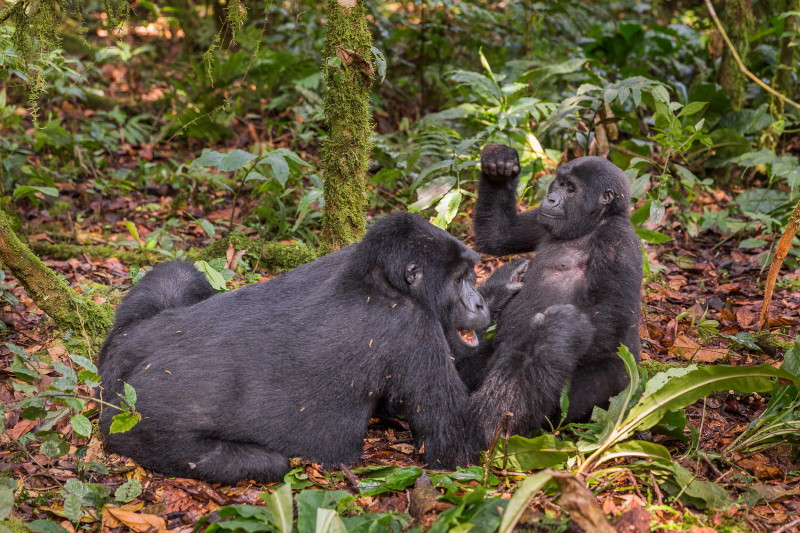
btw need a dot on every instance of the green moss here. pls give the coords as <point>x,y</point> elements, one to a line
<point>345,154</point>
<point>59,208</point>
<point>772,344</point>
<point>654,367</point>
<point>65,251</point>
<point>15,525</point>
<point>737,19</point>
<point>274,256</point>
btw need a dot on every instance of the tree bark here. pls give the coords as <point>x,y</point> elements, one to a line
<point>49,292</point>
<point>737,19</point>
<point>782,82</point>
<point>345,153</point>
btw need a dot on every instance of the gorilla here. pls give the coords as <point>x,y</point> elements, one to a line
<point>231,386</point>
<point>587,256</point>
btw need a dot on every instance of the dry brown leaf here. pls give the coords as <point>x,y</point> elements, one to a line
<point>581,504</point>
<point>139,522</point>
<point>688,349</point>
<point>745,317</point>
<point>407,449</point>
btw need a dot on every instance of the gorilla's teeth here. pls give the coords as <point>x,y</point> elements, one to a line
<point>469,337</point>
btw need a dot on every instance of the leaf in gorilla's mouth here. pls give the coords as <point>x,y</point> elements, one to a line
<point>468,336</point>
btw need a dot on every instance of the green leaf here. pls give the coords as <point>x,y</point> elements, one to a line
<point>447,208</point>
<point>761,200</point>
<point>328,521</point>
<point>46,526</point>
<point>53,445</point>
<point>637,448</point>
<point>279,504</point>
<point>308,501</point>
<point>519,502</point>
<point>131,227</point>
<point>692,108</point>
<point>234,160</point>
<point>26,191</point>
<point>701,494</point>
<point>122,422</point>
<point>210,158</point>
<point>280,168</point>
<point>649,235</point>
<point>639,186</point>
<point>213,275</point>
<point>128,491</point>
<point>432,191</point>
<point>686,176</point>
<point>73,508</point>
<point>699,383</point>
<point>520,454</point>
<point>657,211</point>
<point>753,243</point>
<point>83,362</point>
<point>208,227</point>
<point>129,395</point>
<point>639,216</point>
<point>81,425</point>
<point>380,61</point>
<point>6,502</point>
<point>398,479</point>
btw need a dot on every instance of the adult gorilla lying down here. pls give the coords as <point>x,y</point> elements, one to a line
<point>232,385</point>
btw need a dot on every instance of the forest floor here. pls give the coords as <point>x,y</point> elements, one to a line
<point>705,278</point>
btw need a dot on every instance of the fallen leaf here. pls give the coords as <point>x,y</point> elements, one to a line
<point>745,317</point>
<point>581,504</point>
<point>403,448</point>
<point>139,522</point>
<point>688,349</point>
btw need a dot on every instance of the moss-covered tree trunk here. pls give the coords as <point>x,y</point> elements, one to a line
<point>787,62</point>
<point>48,291</point>
<point>345,153</point>
<point>737,19</point>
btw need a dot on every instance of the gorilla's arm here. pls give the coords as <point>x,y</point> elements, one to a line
<point>499,228</point>
<point>504,284</point>
<point>528,372</point>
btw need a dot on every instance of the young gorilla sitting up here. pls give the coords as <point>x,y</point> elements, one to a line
<point>587,256</point>
<point>230,386</point>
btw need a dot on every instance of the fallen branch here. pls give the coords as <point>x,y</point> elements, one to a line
<point>784,245</point>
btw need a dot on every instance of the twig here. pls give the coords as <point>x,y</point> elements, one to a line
<point>635,483</point>
<point>775,266</point>
<point>740,63</point>
<point>659,496</point>
<point>490,453</point>
<point>789,526</point>
<point>711,465</point>
<point>349,475</point>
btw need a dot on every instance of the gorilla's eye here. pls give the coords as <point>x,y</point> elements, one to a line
<point>570,188</point>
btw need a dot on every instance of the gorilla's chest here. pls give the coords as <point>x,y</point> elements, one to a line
<point>557,275</point>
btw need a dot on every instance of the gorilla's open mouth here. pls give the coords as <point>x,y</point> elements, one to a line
<point>468,337</point>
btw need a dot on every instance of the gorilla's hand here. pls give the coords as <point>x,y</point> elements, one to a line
<point>499,163</point>
<point>503,285</point>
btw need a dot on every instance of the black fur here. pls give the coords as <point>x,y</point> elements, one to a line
<point>233,385</point>
<point>587,255</point>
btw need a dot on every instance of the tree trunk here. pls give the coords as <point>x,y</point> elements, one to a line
<point>782,81</point>
<point>737,19</point>
<point>345,153</point>
<point>48,291</point>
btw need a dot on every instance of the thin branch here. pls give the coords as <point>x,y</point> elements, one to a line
<point>739,61</point>
<point>781,250</point>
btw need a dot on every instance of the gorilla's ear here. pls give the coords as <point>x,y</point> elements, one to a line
<point>607,196</point>
<point>413,274</point>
